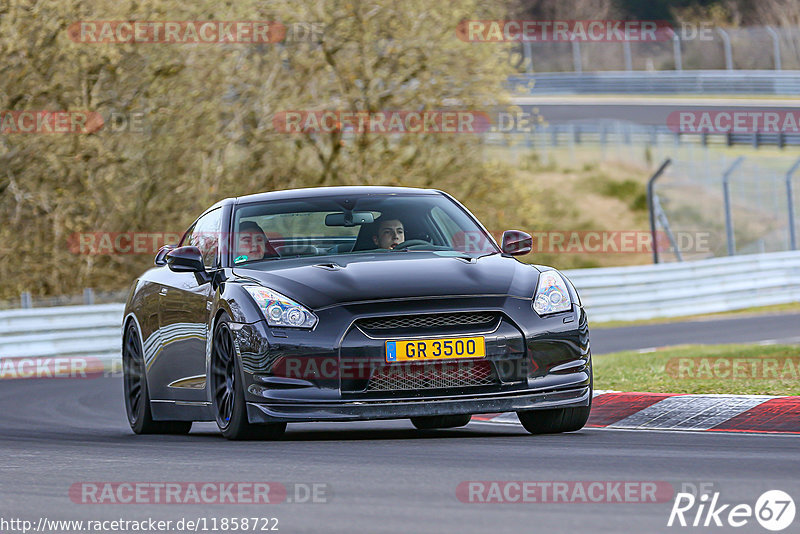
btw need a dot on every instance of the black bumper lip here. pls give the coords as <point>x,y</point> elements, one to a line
<point>404,408</point>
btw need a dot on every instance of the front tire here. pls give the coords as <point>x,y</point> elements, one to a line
<point>554,421</point>
<point>227,391</point>
<point>440,421</point>
<point>137,396</point>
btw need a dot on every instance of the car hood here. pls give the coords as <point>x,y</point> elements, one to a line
<point>320,282</point>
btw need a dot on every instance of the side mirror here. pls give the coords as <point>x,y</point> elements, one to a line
<point>161,255</point>
<point>516,243</point>
<point>185,260</point>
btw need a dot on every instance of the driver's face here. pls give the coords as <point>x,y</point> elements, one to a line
<point>390,234</point>
<point>253,245</point>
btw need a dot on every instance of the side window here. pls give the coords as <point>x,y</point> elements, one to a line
<point>205,235</point>
<point>186,237</point>
<point>447,226</point>
<point>466,241</point>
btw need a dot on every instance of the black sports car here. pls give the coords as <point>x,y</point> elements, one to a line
<point>351,303</point>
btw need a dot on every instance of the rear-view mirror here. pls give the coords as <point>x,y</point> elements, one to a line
<point>349,218</point>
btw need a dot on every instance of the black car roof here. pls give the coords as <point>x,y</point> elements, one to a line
<point>317,192</point>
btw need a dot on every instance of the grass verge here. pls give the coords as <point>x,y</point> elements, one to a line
<point>730,369</point>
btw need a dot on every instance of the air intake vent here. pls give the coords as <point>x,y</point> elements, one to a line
<point>430,320</point>
<point>434,376</point>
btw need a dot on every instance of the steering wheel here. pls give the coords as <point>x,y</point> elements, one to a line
<point>410,243</point>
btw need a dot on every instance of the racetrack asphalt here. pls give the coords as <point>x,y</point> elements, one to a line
<point>651,111</point>
<point>772,328</point>
<point>384,476</point>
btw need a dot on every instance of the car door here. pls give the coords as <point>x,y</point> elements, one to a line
<point>184,314</point>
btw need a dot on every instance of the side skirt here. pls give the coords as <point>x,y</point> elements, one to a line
<point>171,410</point>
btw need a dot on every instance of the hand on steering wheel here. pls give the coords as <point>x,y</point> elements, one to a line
<point>410,243</point>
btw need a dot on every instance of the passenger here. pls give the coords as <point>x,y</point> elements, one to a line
<point>252,243</point>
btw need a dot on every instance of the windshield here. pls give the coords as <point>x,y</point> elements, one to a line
<point>353,224</point>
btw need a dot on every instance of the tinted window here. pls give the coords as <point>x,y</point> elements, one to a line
<point>205,235</point>
<point>315,227</point>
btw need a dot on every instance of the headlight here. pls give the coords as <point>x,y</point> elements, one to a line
<point>551,295</point>
<point>281,310</point>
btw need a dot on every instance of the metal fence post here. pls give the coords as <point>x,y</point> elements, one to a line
<point>651,204</point>
<point>726,191</point>
<point>776,46</point>
<point>790,200</point>
<point>626,48</point>
<point>676,50</point>
<point>25,300</point>
<point>577,62</point>
<point>88,296</point>
<point>726,43</point>
<point>571,143</point>
<point>662,218</point>
<point>526,48</point>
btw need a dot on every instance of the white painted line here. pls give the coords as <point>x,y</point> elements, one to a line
<point>788,340</point>
<point>679,431</point>
<point>695,431</point>
<point>598,392</point>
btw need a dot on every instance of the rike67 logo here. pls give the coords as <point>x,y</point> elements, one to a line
<point>774,510</point>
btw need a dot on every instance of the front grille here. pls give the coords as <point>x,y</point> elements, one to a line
<point>432,376</point>
<point>429,320</point>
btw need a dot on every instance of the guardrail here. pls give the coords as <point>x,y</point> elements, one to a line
<point>637,292</point>
<point>763,82</point>
<point>86,331</point>
<point>675,289</point>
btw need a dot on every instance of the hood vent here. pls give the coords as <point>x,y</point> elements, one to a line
<point>329,266</point>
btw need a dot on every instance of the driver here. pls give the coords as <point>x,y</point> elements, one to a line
<point>252,243</point>
<point>389,233</point>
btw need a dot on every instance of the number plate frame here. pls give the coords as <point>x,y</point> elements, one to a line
<point>442,348</point>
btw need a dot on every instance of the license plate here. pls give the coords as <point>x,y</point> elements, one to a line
<point>419,350</point>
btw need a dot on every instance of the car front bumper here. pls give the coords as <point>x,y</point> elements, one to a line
<point>399,409</point>
<point>537,363</point>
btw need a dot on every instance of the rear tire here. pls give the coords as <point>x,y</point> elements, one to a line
<point>554,421</point>
<point>227,391</point>
<point>430,422</point>
<point>137,396</point>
